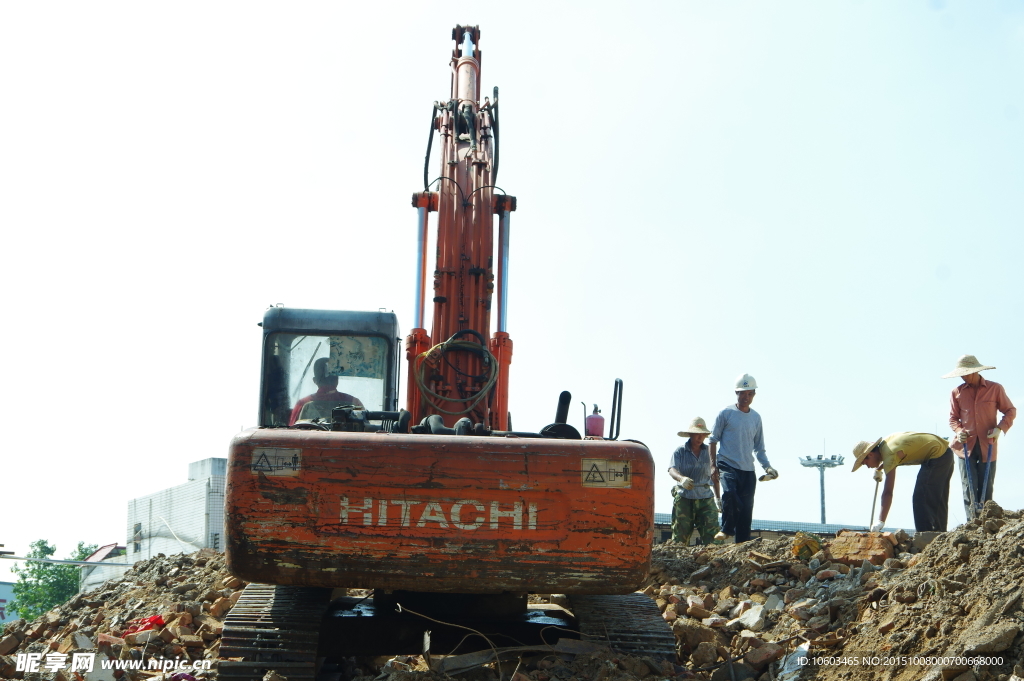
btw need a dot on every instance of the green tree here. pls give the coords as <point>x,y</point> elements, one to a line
<point>41,586</point>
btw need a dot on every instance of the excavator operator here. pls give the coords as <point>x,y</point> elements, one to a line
<point>326,397</point>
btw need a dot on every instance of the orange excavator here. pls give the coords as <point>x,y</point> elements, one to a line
<point>440,507</point>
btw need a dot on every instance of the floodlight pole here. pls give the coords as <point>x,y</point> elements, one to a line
<point>821,470</point>
<point>821,463</point>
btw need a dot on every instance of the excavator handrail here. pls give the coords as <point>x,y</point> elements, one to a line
<point>615,422</point>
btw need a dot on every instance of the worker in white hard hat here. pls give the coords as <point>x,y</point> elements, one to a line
<point>972,416</point>
<point>735,438</point>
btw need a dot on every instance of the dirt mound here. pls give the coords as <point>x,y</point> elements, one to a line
<point>916,616</point>
<point>952,611</point>
<point>166,608</point>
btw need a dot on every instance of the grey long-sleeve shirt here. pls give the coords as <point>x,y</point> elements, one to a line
<point>739,436</point>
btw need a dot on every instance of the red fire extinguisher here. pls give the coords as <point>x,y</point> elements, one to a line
<point>595,424</point>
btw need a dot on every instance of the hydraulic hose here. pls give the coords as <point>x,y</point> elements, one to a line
<point>430,142</point>
<point>467,117</point>
<point>438,351</point>
<point>497,141</point>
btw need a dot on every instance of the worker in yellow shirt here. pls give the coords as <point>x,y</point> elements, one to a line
<point>931,493</point>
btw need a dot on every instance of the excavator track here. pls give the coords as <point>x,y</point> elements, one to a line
<point>273,627</point>
<point>630,624</point>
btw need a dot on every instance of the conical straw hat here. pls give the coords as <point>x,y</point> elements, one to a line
<point>967,364</point>
<point>861,451</point>
<point>697,426</point>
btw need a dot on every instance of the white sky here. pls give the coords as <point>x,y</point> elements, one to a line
<point>827,195</point>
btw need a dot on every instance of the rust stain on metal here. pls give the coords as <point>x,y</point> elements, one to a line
<point>285,497</point>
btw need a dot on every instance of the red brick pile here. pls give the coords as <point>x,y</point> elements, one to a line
<point>165,607</point>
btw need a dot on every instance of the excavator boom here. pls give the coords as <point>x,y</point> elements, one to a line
<point>460,369</point>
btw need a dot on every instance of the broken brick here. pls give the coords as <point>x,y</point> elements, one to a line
<point>852,548</point>
<point>8,644</point>
<point>699,612</point>
<point>192,641</point>
<point>764,655</point>
<point>219,607</point>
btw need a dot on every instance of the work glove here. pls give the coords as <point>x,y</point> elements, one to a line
<point>718,504</point>
<point>686,483</point>
<point>879,474</point>
<point>769,474</point>
<point>995,433</point>
<point>877,527</point>
<point>963,435</point>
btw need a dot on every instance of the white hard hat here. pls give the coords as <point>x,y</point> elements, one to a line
<point>746,382</point>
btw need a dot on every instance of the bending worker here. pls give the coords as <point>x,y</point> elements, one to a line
<point>931,493</point>
<point>691,469</point>
<point>972,416</point>
<point>736,437</point>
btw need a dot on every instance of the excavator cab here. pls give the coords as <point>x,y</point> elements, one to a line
<point>315,361</point>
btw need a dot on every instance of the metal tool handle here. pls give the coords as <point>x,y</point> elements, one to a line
<point>874,502</point>
<point>970,480</point>
<point>980,504</point>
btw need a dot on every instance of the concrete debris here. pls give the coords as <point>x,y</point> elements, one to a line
<point>551,664</point>
<point>164,607</point>
<point>737,611</point>
<point>705,654</point>
<point>862,595</point>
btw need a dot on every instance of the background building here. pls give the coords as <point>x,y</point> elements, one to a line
<point>179,519</point>
<point>111,562</point>
<point>6,596</point>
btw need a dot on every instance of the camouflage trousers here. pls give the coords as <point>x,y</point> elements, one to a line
<point>690,513</point>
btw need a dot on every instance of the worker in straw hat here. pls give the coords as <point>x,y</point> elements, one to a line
<point>972,416</point>
<point>931,492</point>
<point>694,505</point>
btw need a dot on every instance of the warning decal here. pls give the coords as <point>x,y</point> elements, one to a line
<point>606,473</point>
<point>272,461</point>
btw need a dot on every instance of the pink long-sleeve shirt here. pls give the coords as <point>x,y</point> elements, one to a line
<point>974,408</point>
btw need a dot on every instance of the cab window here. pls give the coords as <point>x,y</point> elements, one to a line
<point>307,375</point>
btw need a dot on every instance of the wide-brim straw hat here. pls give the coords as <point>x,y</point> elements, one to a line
<point>697,427</point>
<point>967,364</point>
<point>861,451</point>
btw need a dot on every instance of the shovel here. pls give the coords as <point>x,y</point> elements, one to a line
<point>878,479</point>
<point>984,483</point>
<point>970,479</point>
